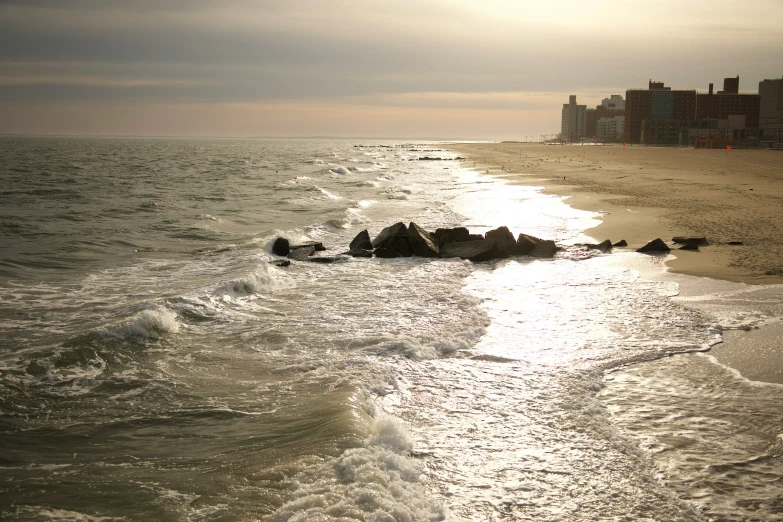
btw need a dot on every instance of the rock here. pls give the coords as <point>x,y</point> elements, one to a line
<point>656,245</point>
<point>735,243</point>
<point>283,263</point>
<point>505,240</point>
<point>398,229</point>
<point>385,253</point>
<point>690,246</point>
<point>452,235</point>
<point>621,243</point>
<point>361,241</point>
<point>423,243</point>
<point>301,253</point>
<point>698,241</point>
<point>317,246</point>
<point>402,246</point>
<point>525,245</point>
<point>533,246</point>
<point>604,246</point>
<point>359,252</point>
<point>475,237</point>
<point>326,259</point>
<point>545,248</point>
<point>281,247</point>
<point>476,250</point>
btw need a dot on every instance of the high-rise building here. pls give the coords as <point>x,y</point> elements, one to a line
<point>610,108</point>
<point>658,103</point>
<point>591,121</point>
<point>610,128</point>
<point>573,119</point>
<point>771,109</point>
<point>728,102</point>
<point>615,102</point>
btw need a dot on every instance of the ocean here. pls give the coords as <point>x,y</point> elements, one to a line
<point>156,363</point>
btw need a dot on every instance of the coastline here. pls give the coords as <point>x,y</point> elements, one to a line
<point>647,192</point>
<point>643,193</point>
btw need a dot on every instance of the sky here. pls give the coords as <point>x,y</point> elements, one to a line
<point>432,69</point>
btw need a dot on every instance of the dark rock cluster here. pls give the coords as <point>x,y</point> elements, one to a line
<point>400,240</point>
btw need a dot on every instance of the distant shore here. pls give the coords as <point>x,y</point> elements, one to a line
<point>649,192</point>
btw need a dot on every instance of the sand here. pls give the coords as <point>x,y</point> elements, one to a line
<point>645,193</point>
<point>655,192</point>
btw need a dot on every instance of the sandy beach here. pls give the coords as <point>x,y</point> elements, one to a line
<point>645,193</point>
<point>648,192</point>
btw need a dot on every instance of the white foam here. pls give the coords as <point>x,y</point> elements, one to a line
<point>328,194</point>
<point>379,481</point>
<point>146,324</point>
<point>253,283</point>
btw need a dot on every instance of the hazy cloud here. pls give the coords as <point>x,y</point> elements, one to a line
<point>264,51</point>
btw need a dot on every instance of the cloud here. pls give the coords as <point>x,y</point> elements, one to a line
<point>459,53</point>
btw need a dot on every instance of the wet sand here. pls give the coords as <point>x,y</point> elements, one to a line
<point>645,193</point>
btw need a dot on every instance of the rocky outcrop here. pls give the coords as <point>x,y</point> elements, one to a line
<point>476,250</point>
<point>507,245</point>
<point>654,246</point>
<point>361,241</point>
<point>359,252</point>
<point>535,247</point>
<point>545,248</point>
<point>698,241</point>
<point>301,253</point>
<point>281,247</point>
<point>385,253</point>
<point>604,246</point>
<point>422,243</point>
<point>400,240</point>
<point>316,245</point>
<point>326,259</point>
<point>452,235</point>
<point>397,229</point>
<point>525,245</point>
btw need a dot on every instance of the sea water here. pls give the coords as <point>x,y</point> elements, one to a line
<point>155,363</point>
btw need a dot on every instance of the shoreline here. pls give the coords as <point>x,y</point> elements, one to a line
<point>643,193</point>
<point>647,192</point>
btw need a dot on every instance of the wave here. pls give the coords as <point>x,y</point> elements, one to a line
<point>148,324</point>
<point>380,481</point>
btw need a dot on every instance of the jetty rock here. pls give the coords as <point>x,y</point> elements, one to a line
<point>453,235</point>
<point>422,243</point>
<point>301,253</point>
<point>535,247</point>
<point>397,229</point>
<point>604,246</point>
<point>359,252</point>
<point>656,245</point>
<point>698,241</point>
<point>361,241</point>
<point>475,250</point>
<point>507,245</point>
<point>281,247</point>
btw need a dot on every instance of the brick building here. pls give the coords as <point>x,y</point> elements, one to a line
<point>771,109</point>
<point>728,102</point>
<point>646,110</point>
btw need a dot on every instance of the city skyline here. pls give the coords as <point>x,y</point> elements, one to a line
<point>499,70</point>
